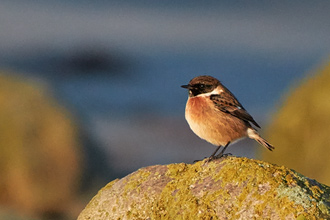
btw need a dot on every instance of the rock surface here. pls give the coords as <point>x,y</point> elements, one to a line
<point>228,188</point>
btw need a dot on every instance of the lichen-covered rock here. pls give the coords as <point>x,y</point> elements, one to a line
<point>228,188</point>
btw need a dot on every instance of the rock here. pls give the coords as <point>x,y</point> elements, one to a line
<point>300,129</point>
<point>228,188</point>
<point>40,153</point>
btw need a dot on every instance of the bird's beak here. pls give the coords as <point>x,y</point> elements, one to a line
<point>186,86</point>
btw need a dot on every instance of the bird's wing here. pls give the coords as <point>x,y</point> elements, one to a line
<point>226,102</point>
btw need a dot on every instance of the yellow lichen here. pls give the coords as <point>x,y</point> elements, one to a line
<point>237,188</point>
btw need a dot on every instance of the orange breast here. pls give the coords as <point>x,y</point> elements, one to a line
<point>211,124</point>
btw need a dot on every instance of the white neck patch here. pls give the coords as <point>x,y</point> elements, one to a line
<point>215,91</point>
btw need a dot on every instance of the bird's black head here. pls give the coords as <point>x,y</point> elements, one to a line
<point>201,84</point>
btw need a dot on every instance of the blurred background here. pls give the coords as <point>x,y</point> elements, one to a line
<point>90,90</point>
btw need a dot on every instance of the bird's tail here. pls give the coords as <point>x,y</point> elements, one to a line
<point>253,134</point>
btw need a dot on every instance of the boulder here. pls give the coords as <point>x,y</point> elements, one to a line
<point>227,188</point>
<point>40,153</point>
<point>300,129</point>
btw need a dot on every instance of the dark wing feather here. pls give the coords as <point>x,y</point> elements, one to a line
<point>226,102</point>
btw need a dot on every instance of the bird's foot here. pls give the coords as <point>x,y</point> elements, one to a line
<point>210,158</point>
<point>207,159</point>
<point>222,155</point>
<point>195,161</point>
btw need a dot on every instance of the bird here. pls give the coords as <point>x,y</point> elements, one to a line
<point>215,115</point>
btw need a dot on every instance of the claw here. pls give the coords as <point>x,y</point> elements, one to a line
<point>222,155</point>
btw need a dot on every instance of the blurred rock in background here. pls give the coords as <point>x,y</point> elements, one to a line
<point>8,214</point>
<point>40,153</point>
<point>300,131</point>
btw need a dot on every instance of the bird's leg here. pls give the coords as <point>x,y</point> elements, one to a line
<point>212,156</point>
<point>216,150</point>
<point>221,154</point>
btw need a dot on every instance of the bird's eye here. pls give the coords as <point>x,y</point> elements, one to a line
<point>204,86</point>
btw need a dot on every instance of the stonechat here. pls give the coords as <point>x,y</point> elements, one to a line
<point>215,115</point>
